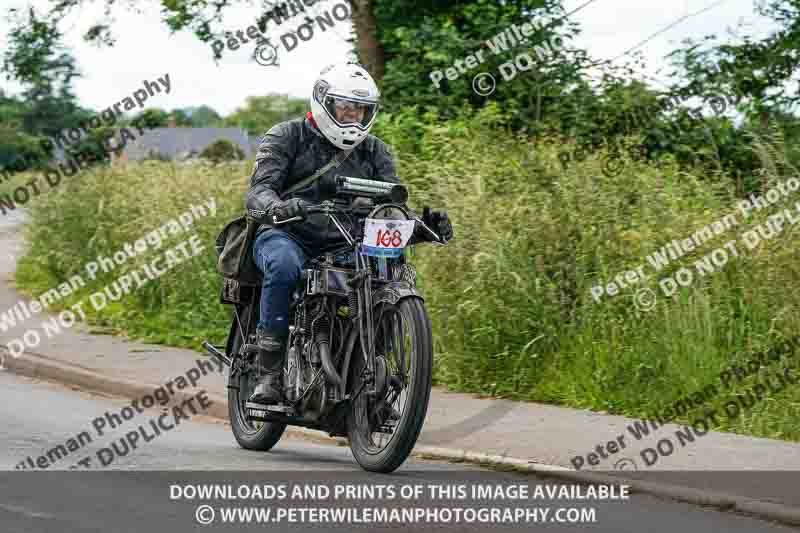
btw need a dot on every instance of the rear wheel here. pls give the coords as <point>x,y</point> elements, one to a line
<point>250,434</point>
<point>383,430</point>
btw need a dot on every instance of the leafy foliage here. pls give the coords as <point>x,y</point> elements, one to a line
<point>222,150</point>
<point>36,59</point>
<point>260,113</point>
<point>203,117</point>
<point>152,118</point>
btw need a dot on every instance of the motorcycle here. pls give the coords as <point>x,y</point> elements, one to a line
<point>359,355</point>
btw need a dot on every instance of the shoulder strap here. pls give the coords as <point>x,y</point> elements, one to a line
<point>337,160</point>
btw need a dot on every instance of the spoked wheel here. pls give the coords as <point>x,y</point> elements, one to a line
<point>250,434</point>
<point>383,430</point>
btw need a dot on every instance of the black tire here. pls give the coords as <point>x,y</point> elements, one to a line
<point>418,391</point>
<point>261,436</point>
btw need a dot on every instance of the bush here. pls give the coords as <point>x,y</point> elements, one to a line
<point>155,155</point>
<point>222,150</point>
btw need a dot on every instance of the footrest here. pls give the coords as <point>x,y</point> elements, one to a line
<point>258,410</point>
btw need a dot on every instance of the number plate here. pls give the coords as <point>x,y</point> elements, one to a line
<point>386,238</point>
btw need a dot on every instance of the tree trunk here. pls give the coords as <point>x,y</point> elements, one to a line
<point>370,50</point>
<point>764,117</point>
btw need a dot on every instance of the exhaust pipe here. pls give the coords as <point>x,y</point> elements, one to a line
<point>320,327</point>
<point>327,363</point>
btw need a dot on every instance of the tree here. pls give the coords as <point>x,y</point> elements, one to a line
<point>180,118</point>
<point>370,48</point>
<point>203,116</point>
<point>758,70</point>
<point>152,118</point>
<point>36,59</point>
<point>756,75</point>
<point>260,113</point>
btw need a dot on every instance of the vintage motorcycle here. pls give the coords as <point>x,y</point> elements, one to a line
<point>360,350</point>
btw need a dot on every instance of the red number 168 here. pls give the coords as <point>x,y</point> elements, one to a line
<point>389,239</point>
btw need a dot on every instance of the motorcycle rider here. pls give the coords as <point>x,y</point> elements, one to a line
<point>344,105</point>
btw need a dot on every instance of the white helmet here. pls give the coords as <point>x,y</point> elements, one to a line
<point>346,86</point>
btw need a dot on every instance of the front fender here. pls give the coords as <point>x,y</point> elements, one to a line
<point>391,293</point>
<point>395,291</point>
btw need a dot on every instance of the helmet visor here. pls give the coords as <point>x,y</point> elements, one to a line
<point>350,112</point>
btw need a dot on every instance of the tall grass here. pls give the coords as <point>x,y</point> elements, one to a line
<point>95,213</point>
<point>510,297</point>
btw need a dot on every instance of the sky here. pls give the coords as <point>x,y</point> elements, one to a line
<point>145,49</point>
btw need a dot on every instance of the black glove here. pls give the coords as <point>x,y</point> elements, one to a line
<point>438,222</point>
<point>294,207</point>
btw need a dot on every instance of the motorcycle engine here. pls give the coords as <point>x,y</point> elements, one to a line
<point>304,362</point>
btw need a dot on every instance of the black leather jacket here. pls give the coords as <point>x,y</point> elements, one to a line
<point>294,150</point>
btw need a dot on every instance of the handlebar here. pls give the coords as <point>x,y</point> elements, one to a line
<point>394,193</point>
<point>353,187</point>
<point>329,207</point>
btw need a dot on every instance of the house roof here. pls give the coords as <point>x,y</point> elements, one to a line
<point>174,142</point>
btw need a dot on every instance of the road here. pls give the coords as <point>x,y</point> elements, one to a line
<point>134,492</point>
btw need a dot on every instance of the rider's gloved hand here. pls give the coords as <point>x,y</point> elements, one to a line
<point>294,207</point>
<point>439,222</point>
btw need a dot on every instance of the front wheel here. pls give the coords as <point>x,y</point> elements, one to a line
<point>383,430</point>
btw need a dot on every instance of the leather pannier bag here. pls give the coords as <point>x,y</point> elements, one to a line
<point>240,274</point>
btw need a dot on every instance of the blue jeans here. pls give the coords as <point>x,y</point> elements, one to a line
<point>280,259</point>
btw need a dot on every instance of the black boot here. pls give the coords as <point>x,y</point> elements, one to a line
<point>270,359</point>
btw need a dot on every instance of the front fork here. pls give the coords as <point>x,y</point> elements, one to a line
<point>366,326</point>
